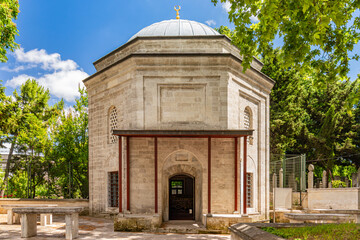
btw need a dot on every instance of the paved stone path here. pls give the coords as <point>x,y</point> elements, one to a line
<point>95,229</point>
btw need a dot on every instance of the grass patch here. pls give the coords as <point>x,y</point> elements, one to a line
<point>345,231</point>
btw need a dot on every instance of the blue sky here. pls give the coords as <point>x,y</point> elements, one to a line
<point>61,39</point>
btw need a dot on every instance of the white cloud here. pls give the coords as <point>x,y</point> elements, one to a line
<point>64,76</point>
<point>210,22</point>
<point>18,80</point>
<point>64,84</point>
<point>15,69</point>
<point>226,6</point>
<point>45,60</point>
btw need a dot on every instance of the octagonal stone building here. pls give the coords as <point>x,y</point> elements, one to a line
<point>177,130</point>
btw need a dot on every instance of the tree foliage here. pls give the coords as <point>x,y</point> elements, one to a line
<point>312,32</point>
<point>306,117</point>
<point>25,118</point>
<point>69,151</point>
<point>49,145</point>
<point>3,110</point>
<point>9,10</point>
<point>312,119</point>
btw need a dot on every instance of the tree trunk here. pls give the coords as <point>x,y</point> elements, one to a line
<point>34,187</point>
<point>7,169</point>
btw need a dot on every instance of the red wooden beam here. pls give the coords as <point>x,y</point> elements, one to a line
<point>236,174</point>
<point>245,174</point>
<point>184,133</point>
<point>178,136</point>
<point>156,174</point>
<point>128,173</point>
<point>120,175</point>
<point>209,175</point>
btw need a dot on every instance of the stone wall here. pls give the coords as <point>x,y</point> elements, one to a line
<point>142,175</point>
<point>296,200</point>
<point>334,198</point>
<point>245,93</point>
<point>200,99</point>
<point>103,155</point>
<point>222,176</point>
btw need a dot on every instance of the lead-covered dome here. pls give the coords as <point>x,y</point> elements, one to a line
<point>176,27</point>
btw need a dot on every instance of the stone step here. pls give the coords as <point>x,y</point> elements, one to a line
<point>185,227</point>
<point>188,231</point>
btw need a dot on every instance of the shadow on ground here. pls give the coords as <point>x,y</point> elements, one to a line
<point>95,228</point>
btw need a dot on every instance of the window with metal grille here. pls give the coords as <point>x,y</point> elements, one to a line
<point>113,122</point>
<point>113,189</point>
<point>249,190</point>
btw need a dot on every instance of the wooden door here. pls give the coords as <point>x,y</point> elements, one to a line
<point>181,198</point>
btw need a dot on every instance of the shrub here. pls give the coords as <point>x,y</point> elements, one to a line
<point>338,184</point>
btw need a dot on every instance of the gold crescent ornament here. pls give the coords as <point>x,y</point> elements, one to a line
<point>177,11</point>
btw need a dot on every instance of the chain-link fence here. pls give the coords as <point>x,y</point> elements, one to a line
<point>290,171</point>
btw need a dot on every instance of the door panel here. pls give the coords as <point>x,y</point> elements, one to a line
<point>181,198</point>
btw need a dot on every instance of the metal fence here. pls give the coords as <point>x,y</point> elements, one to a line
<point>293,173</point>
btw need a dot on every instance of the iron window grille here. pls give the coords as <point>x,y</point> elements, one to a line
<point>113,189</point>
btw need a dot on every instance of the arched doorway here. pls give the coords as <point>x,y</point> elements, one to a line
<point>181,198</point>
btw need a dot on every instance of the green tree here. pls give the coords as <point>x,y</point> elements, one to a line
<point>287,114</point>
<point>9,10</point>
<point>3,112</point>
<point>32,143</point>
<point>312,32</point>
<point>308,117</point>
<point>26,120</point>
<point>69,151</point>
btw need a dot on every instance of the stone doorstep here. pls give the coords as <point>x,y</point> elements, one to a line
<point>185,227</point>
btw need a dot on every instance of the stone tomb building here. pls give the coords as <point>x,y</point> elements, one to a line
<point>178,131</point>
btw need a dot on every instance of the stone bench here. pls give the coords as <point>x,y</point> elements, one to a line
<point>354,212</point>
<point>45,219</point>
<point>29,220</point>
<point>318,217</point>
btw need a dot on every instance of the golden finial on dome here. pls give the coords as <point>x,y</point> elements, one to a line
<point>177,11</point>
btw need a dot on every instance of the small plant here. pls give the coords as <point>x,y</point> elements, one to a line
<point>338,184</point>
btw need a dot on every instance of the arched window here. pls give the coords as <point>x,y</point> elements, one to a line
<point>248,123</point>
<point>247,118</point>
<point>113,124</point>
